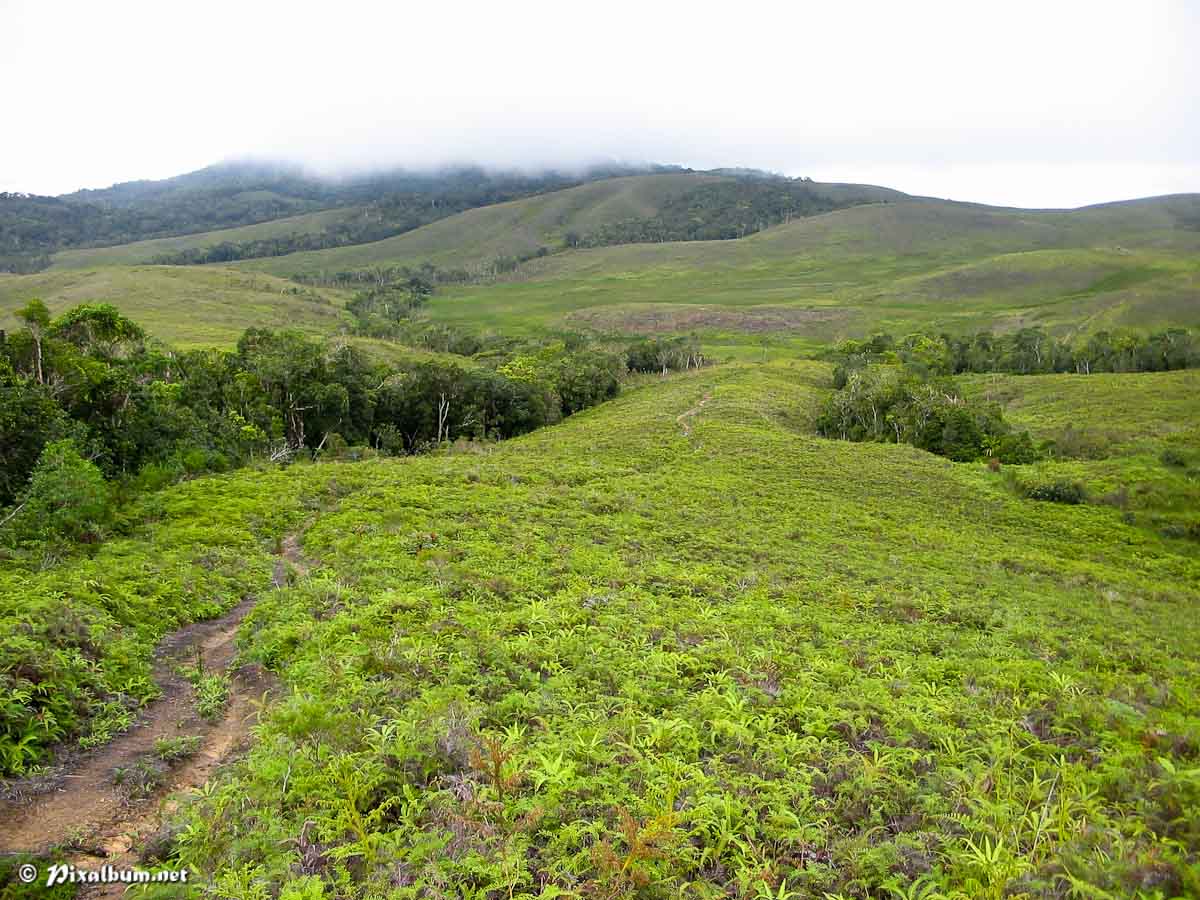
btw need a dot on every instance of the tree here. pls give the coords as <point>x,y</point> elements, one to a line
<point>29,418</point>
<point>67,497</point>
<point>98,328</point>
<point>36,317</point>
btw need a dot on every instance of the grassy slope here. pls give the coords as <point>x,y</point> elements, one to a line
<point>144,251</point>
<point>480,235</point>
<point>828,663</point>
<point>1114,431</point>
<point>398,355</point>
<point>184,306</point>
<point>895,266</point>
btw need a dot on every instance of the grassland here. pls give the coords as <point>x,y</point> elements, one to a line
<point>141,252</point>
<point>1132,441</point>
<point>197,306</point>
<point>620,657</point>
<point>898,266</point>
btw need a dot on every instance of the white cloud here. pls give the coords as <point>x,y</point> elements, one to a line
<point>1021,103</point>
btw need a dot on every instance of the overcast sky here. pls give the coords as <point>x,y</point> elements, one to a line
<point>1025,104</point>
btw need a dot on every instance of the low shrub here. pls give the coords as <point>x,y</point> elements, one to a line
<point>1173,459</point>
<point>1062,491</point>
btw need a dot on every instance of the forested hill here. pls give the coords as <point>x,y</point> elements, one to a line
<point>294,212</point>
<point>32,227</point>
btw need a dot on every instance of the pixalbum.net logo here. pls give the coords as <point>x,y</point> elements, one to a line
<point>67,874</point>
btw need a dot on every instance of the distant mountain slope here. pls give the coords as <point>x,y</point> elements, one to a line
<point>236,194</point>
<point>143,252</point>
<point>504,229</point>
<point>890,262</point>
<point>918,263</point>
<point>633,210</point>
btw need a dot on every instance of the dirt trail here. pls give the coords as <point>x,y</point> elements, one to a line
<point>80,806</point>
<point>682,418</point>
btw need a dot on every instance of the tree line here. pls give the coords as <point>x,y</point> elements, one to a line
<point>1027,351</point>
<point>90,385</point>
<point>721,210</point>
<point>899,405</point>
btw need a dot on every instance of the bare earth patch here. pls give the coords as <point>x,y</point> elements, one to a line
<point>660,318</point>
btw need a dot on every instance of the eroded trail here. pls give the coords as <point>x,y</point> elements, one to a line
<point>81,806</point>
<point>682,419</point>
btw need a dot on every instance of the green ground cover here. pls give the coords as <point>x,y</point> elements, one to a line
<point>1131,440</point>
<point>633,655</point>
<point>186,306</point>
<point>77,632</point>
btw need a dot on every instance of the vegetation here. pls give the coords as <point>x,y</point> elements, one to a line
<point>1027,351</point>
<point>899,267</point>
<point>188,308</point>
<point>611,659</point>
<point>723,210</point>
<point>1129,442</point>
<point>89,382</point>
<point>33,228</point>
<point>80,622</point>
<point>912,620</point>
<point>893,405</point>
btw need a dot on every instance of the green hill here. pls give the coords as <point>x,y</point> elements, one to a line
<point>889,263</point>
<point>893,266</point>
<point>678,641</point>
<point>185,306</point>
<point>142,252</point>
<point>476,237</point>
<point>232,195</point>
<point>603,210</point>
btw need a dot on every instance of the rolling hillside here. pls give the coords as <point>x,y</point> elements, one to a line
<point>895,265</point>
<point>480,235</point>
<point>473,239</point>
<point>142,252</point>
<point>186,307</point>
<point>236,194</point>
<point>900,265</point>
<point>676,640</point>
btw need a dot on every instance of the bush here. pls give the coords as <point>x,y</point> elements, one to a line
<point>67,497</point>
<point>1073,443</point>
<point>1057,492</point>
<point>886,403</point>
<point>1172,458</point>
<point>1187,531</point>
<point>1016,449</point>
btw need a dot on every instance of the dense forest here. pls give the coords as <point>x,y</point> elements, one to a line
<point>32,228</point>
<point>723,211</point>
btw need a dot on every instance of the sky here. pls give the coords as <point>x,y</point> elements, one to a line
<point>1037,104</point>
